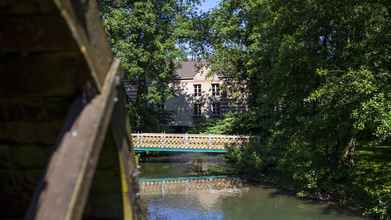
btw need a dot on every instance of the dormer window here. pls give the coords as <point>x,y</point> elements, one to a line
<point>197,89</point>
<point>215,89</point>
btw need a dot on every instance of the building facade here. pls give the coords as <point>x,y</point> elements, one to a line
<point>199,95</point>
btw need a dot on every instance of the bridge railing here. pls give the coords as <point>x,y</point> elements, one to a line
<point>193,141</point>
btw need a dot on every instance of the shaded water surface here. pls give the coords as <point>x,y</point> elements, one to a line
<point>171,190</point>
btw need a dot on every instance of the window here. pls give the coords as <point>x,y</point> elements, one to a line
<point>216,109</point>
<point>197,89</point>
<point>215,89</point>
<point>197,110</point>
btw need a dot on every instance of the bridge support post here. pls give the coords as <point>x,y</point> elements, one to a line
<point>186,139</point>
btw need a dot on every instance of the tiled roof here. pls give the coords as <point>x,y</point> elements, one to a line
<point>188,69</point>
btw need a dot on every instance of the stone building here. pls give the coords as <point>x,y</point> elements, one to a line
<point>199,95</point>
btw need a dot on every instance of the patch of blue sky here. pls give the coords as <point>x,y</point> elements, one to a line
<point>207,5</point>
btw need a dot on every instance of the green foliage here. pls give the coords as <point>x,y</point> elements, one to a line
<point>245,161</point>
<point>372,180</point>
<point>144,35</point>
<point>231,123</point>
<point>318,74</point>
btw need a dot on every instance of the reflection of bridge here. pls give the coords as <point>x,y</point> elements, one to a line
<point>183,185</point>
<point>186,142</point>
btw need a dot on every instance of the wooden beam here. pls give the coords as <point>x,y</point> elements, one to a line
<point>72,25</point>
<point>42,74</point>
<point>84,22</point>
<point>113,166</point>
<point>28,34</point>
<point>65,186</point>
<point>129,182</point>
<point>23,7</point>
<point>104,200</point>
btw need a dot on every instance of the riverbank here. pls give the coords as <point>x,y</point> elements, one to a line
<point>364,187</point>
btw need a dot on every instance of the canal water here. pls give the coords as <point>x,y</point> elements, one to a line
<point>181,190</point>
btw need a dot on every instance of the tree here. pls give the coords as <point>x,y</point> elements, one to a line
<point>309,67</point>
<point>145,36</point>
<point>318,73</point>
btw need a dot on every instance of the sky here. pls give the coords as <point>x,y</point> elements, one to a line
<point>207,5</point>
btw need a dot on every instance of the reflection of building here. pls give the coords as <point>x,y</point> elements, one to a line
<point>199,94</point>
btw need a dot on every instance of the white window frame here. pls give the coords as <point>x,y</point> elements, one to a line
<point>215,89</point>
<point>197,89</point>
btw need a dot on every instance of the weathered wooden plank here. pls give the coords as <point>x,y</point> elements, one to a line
<point>129,182</point>
<point>23,7</point>
<point>28,156</point>
<point>96,36</point>
<point>21,167</point>
<point>105,199</point>
<point>84,21</point>
<point>30,132</point>
<point>16,189</point>
<point>33,109</point>
<point>35,33</point>
<point>32,119</point>
<point>75,26</point>
<point>42,74</point>
<point>65,187</point>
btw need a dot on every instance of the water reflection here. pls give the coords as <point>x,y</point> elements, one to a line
<point>220,197</point>
<point>188,197</point>
<point>190,185</point>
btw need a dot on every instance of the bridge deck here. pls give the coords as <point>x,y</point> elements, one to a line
<point>186,142</point>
